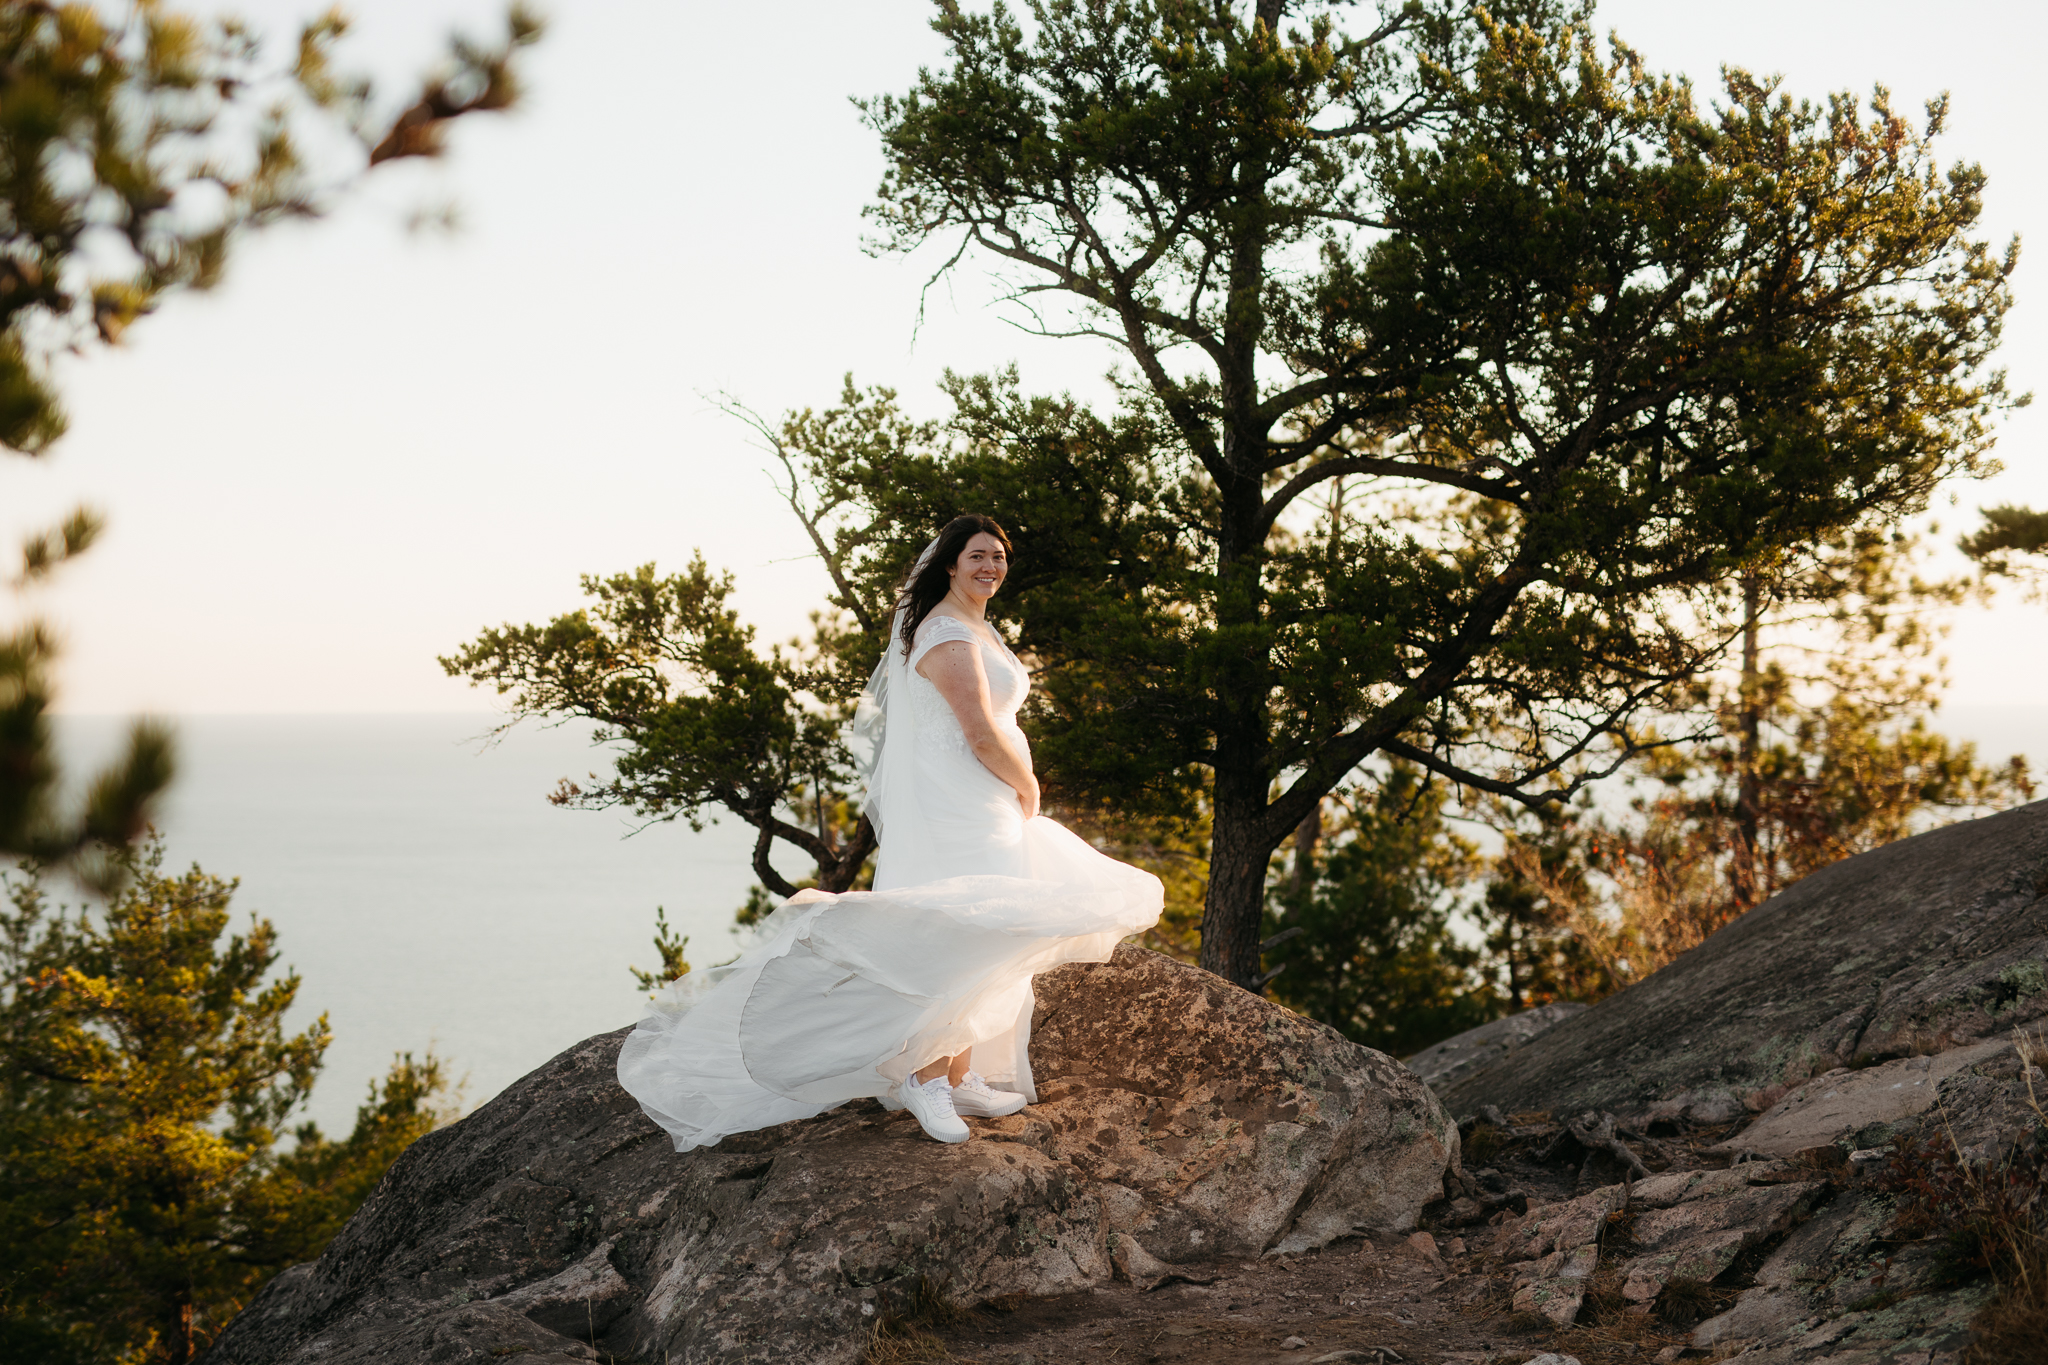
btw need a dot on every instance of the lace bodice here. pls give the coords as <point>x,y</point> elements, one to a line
<point>1008,683</point>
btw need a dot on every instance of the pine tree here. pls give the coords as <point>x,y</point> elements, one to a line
<point>1819,744</point>
<point>1360,932</point>
<point>1579,347</point>
<point>144,1070</point>
<point>148,1078</point>
<point>702,721</point>
<point>2012,543</point>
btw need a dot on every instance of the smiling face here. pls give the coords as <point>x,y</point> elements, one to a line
<point>981,567</point>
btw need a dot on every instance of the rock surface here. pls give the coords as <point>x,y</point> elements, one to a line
<point>1453,1059</point>
<point>1866,1014</point>
<point>1180,1119</point>
<point>1688,1225</point>
<point>1861,1107</point>
<point>1800,1261</point>
<point>1918,947</point>
<point>1750,1155</point>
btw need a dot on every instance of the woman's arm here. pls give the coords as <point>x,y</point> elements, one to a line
<point>954,667</point>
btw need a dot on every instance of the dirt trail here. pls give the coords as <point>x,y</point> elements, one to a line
<point>1380,1300</point>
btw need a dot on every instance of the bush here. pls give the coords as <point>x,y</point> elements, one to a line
<point>144,1197</point>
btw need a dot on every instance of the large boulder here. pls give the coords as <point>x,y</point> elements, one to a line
<point>1916,948</point>
<point>1179,1118</point>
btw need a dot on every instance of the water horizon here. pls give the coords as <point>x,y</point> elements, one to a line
<point>432,899</point>
<point>424,889</point>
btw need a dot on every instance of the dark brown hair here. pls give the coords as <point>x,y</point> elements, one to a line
<point>924,591</point>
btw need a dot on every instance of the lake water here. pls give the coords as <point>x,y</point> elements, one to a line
<point>426,891</point>
<point>431,898</point>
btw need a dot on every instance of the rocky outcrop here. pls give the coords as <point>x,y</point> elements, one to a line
<point>1922,946</point>
<point>1688,1225</point>
<point>1852,1286</point>
<point>1450,1061</point>
<point>1804,1256</point>
<point>1180,1119</point>
<point>1862,1107</point>
<point>1685,1172</point>
<point>1794,1079</point>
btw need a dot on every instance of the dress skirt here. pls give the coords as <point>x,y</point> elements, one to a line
<point>841,997</point>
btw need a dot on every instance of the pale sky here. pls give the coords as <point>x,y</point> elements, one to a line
<point>367,445</point>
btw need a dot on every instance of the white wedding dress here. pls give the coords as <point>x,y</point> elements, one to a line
<point>840,997</point>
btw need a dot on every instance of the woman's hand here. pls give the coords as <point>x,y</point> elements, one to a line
<point>1027,795</point>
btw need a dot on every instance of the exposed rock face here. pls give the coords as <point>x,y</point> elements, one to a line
<point>1859,1105</point>
<point>1870,1005</point>
<point>1686,1225</point>
<point>1450,1061</point>
<point>1180,1118</point>
<point>1919,947</point>
<point>1838,1292</point>
<point>1826,1274</point>
<point>1845,1288</point>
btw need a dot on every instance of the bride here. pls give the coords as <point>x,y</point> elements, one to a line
<point>919,991</point>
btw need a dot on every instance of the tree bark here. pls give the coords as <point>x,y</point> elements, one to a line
<point>841,873</point>
<point>1514,957</point>
<point>1242,840</point>
<point>764,843</point>
<point>1236,898</point>
<point>1749,724</point>
<point>838,866</point>
<point>1306,836</point>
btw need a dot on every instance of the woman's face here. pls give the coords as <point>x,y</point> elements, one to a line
<point>981,568</point>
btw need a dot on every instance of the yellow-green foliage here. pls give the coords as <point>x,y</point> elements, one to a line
<point>144,1070</point>
<point>674,965</point>
<point>143,1195</point>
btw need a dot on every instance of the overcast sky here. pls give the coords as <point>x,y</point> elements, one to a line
<point>368,444</point>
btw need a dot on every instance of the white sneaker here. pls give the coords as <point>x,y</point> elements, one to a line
<point>932,1105</point>
<point>974,1096</point>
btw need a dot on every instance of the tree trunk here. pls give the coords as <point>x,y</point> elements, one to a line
<point>764,843</point>
<point>844,869</point>
<point>1241,840</point>
<point>1306,835</point>
<point>1744,873</point>
<point>1236,900</point>
<point>1514,957</point>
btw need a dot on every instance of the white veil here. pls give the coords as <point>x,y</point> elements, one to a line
<point>883,713</point>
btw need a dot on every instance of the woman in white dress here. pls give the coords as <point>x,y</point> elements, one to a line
<point>919,991</point>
